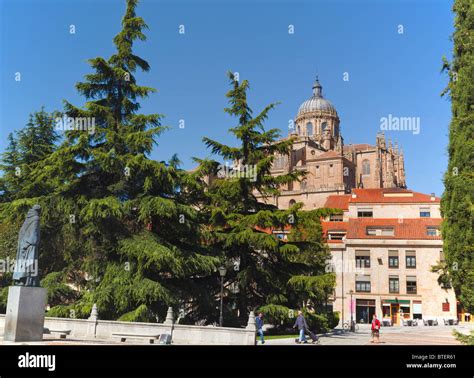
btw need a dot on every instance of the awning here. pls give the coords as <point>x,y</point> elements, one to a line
<point>417,308</point>
<point>396,301</point>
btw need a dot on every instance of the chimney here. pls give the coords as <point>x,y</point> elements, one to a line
<point>433,197</point>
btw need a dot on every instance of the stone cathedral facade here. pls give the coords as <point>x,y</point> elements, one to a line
<point>333,168</point>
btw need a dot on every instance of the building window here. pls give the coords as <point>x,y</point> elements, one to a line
<point>281,235</point>
<point>432,231</point>
<point>393,261</point>
<point>309,128</point>
<point>445,285</point>
<point>411,285</point>
<point>363,286</point>
<point>303,184</point>
<point>366,167</point>
<point>336,218</point>
<point>292,202</point>
<point>405,311</point>
<point>324,126</point>
<point>393,285</point>
<point>365,213</point>
<point>425,212</point>
<point>410,261</point>
<point>375,231</point>
<point>363,261</point>
<point>445,307</point>
<point>336,235</point>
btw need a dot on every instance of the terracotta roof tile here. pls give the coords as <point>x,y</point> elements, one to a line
<point>358,147</point>
<point>390,195</point>
<point>403,228</point>
<point>338,201</point>
<point>329,154</point>
<point>334,226</point>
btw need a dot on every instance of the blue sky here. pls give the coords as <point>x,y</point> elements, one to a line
<point>389,73</point>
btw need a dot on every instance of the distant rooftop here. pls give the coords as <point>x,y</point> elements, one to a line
<point>384,195</point>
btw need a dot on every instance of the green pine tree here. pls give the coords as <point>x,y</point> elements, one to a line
<point>26,148</point>
<point>457,202</point>
<point>263,271</point>
<point>38,139</point>
<point>9,164</point>
<point>117,229</point>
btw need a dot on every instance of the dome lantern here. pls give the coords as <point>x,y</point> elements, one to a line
<point>317,103</point>
<point>317,89</point>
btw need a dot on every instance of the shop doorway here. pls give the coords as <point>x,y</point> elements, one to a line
<point>394,309</point>
<point>365,309</point>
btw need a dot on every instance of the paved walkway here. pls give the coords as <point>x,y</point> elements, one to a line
<point>421,335</point>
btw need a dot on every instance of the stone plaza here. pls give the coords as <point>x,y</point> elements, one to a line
<point>421,335</point>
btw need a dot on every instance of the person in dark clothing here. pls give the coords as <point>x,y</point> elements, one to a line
<point>302,326</point>
<point>259,323</point>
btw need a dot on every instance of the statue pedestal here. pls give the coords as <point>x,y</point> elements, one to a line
<point>24,320</point>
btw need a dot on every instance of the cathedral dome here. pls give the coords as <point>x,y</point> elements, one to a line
<point>317,102</point>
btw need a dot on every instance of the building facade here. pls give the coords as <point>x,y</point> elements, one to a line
<point>387,239</point>
<point>332,167</point>
<point>383,248</point>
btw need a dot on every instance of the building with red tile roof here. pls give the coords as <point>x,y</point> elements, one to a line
<point>383,247</point>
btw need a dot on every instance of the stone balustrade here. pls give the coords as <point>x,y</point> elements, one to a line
<point>97,329</point>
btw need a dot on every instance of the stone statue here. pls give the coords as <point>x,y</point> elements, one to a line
<point>26,265</point>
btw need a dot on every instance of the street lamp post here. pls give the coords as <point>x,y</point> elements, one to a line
<point>351,292</point>
<point>222,272</point>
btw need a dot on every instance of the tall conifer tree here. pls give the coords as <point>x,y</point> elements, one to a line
<point>25,149</point>
<point>457,202</point>
<point>10,161</point>
<point>263,271</point>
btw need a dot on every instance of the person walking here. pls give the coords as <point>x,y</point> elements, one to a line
<point>259,323</point>
<point>302,326</point>
<point>375,329</point>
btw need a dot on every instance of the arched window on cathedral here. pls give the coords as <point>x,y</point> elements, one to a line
<point>292,202</point>
<point>309,129</point>
<point>366,167</point>
<point>324,126</point>
<point>298,130</point>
